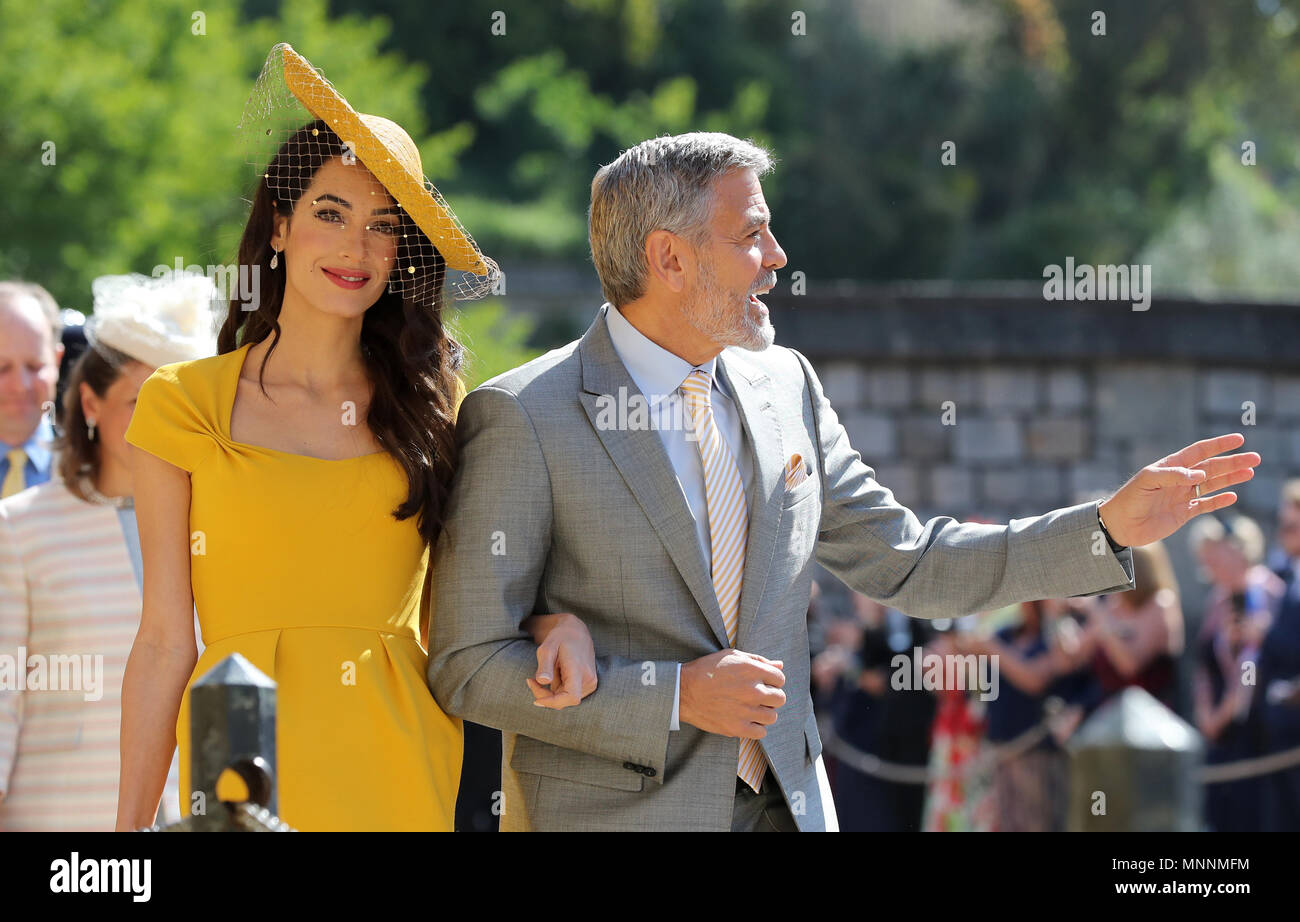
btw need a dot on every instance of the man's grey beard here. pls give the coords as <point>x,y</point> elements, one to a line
<point>711,314</point>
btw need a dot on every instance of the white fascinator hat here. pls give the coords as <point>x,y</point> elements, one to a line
<point>155,320</point>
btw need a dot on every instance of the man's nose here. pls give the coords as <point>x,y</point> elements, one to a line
<point>775,256</point>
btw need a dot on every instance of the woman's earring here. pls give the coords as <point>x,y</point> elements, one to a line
<point>90,429</point>
<point>275,257</point>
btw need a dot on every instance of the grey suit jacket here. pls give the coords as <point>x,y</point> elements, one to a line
<point>554,510</point>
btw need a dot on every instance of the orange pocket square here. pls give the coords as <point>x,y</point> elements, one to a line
<point>796,472</point>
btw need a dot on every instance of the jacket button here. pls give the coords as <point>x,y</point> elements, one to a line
<point>650,772</point>
<point>631,766</point>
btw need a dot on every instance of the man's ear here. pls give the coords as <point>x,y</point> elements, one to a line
<point>666,255</point>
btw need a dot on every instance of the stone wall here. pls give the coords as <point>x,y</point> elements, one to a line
<point>1051,403</point>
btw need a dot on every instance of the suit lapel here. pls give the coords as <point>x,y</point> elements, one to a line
<point>640,458</point>
<point>751,389</point>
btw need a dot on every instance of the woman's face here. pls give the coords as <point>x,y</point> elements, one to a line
<point>112,412</point>
<point>340,244</point>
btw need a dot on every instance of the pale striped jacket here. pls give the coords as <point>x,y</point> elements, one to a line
<point>67,589</point>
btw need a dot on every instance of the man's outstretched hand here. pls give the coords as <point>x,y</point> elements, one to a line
<point>1159,499</point>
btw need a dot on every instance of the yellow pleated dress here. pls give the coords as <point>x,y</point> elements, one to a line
<point>298,564</point>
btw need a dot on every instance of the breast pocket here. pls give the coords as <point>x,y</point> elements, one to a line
<point>800,519</point>
<point>800,493</point>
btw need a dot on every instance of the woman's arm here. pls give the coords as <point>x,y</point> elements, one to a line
<point>164,653</point>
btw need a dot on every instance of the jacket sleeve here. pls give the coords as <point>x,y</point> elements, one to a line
<point>945,568</point>
<point>488,570</point>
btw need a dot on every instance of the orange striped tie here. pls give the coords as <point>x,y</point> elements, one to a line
<point>728,531</point>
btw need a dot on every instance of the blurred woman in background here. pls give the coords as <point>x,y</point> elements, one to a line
<point>1030,785</point>
<point>70,567</point>
<point>1134,637</point>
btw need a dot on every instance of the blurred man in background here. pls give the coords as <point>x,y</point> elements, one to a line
<point>1279,673</point>
<point>31,349</point>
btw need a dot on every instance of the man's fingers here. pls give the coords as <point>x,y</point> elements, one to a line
<point>769,675</point>
<point>1206,448</point>
<point>764,716</point>
<point>1213,503</point>
<point>1175,477</point>
<point>1217,467</point>
<point>1226,480</point>
<point>770,697</point>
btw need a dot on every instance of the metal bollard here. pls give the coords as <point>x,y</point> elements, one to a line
<point>232,728</point>
<point>1133,768</point>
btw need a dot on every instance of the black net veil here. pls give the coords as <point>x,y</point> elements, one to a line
<point>295,121</point>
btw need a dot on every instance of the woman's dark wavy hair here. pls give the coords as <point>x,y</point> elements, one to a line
<point>411,359</point>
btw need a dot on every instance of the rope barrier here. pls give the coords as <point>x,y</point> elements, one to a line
<point>899,773</point>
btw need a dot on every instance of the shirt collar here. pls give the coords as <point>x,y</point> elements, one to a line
<point>656,372</point>
<point>37,447</point>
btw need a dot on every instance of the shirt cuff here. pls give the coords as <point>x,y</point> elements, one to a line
<point>677,699</point>
<point>1115,546</point>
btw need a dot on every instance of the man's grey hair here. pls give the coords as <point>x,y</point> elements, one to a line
<point>11,292</point>
<point>664,183</point>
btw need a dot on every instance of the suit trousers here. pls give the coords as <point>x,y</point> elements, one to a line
<point>762,812</point>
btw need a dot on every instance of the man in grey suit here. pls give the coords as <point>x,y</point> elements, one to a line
<point>668,480</point>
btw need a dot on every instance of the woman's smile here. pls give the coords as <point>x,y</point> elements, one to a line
<point>351,279</point>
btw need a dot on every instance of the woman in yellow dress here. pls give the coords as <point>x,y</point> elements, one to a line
<point>290,487</point>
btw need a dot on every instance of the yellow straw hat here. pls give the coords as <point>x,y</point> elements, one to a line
<point>382,147</point>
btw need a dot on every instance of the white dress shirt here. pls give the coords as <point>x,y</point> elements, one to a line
<point>658,375</point>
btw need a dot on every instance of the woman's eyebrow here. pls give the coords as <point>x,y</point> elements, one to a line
<point>327,197</point>
<point>390,209</point>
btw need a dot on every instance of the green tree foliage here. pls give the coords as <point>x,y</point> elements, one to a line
<point>1066,141</point>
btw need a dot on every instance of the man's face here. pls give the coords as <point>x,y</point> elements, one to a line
<point>738,261</point>
<point>1288,528</point>
<point>341,240</point>
<point>29,368</point>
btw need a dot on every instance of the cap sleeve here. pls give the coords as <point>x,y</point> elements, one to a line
<point>168,423</point>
